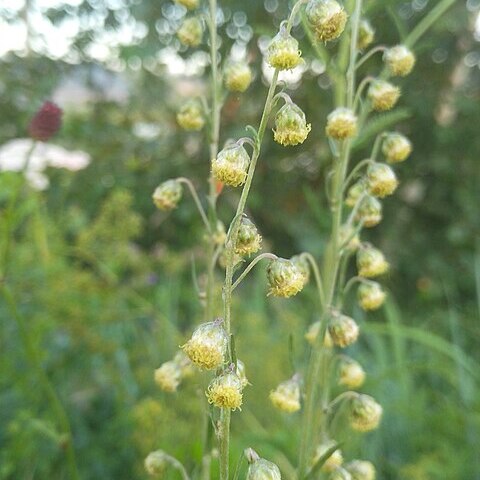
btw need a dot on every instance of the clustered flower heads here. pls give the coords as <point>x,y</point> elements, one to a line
<point>285,278</point>
<point>370,211</point>
<point>231,165</point>
<point>208,345</point>
<point>371,262</point>
<point>237,76</point>
<point>261,469</point>
<point>190,116</point>
<point>283,52</point>
<point>341,124</point>
<point>365,413</point>
<point>400,60</point>
<point>225,391</point>
<point>334,461</point>
<point>371,296</point>
<point>366,34</point>
<point>190,4</point>
<point>156,463</point>
<point>381,180</point>
<point>286,397</point>
<point>351,373</point>
<point>396,147</point>
<point>249,241</point>
<point>383,95</point>
<point>343,330</point>
<point>167,195</point>
<point>361,470</point>
<point>327,18</point>
<point>190,32</point>
<point>291,126</point>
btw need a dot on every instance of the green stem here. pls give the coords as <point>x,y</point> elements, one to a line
<point>257,259</point>
<point>318,278</point>
<point>224,429</point>
<point>34,359</point>
<point>200,209</point>
<point>369,54</point>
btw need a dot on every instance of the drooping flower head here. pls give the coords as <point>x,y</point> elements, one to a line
<point>190,32</point>
<point>167,195</point>
<point>351,373</point>
<point>283,52</point>
<point>231,165</point>
<point>400,60</point>
<point>371,296</point>
<point>285,278</point>
<point>383,95</point>
<point>327,18</point>
<point>291,126</point>
<point>371,262</point>
<point>156,463</point>
<point>365,413</point>
<point>286,397</point>
<point>261,469</point>
<point>168,376</point>
<point>249,241</point>
<point>370,212</point>
<point>225,391</point>
<point>396,147</point>
<point>237,76</point>
<point>343,330</point>
<point>341,124</point>
<point>381,180</point>
<point>190,116</point>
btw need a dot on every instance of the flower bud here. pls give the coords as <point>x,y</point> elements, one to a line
<point>340,474</point>
<point>313,332</point>
<point>400,60</point>
<point>284,278</point>
<point>190,32</point>
<point>351,373</point>
<point>190,4</point>
<point>383,95</point>
<point>341,124</point>
<point>291,127</point>
<point>249,241</point>
<point>156,463</point>
<point>343,330</point>
<point>241,373</point>
<point>302,264</point>
<point>354,193</point>
<point>262,469</point>
<point>190,116</point>
<point>231,165</point>
<point>225,391</point>
<point>208,345</point>
<point>370,212</point>
<point>46,122</point>
<point>396,148</point>
<point>371,262</point>
<point>334,461</point>
<point>167,195</point>
<point>361,470</point>
<point>366,34</point>
<point>371,296</point>
<point>237,76</point>
<point>327,18</point>
<point>348,238</point>
<point>168,376</point>
<point>381,180</point>
<point>286,397</point>
<point>365,413</point>
<point>283,52</point>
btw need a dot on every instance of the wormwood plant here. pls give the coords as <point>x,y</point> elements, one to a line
<point>342,37</point>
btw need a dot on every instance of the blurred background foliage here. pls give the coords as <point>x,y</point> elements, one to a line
<point>104,280</point>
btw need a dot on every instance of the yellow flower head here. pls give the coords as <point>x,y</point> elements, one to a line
<point>381,180</point>
<point>383,95</point>
<point>351,373</point>
<point>341,124</point>
<point>285,278</point>
<point>291,127</point>
<point>167,195</point>
<point>327,18</point>
<point>371,262</point>
<point>190,116</point>
<point>190,32</point>
<point>237,76</point>
<point>231,165</point>
<point>286,397</point>
<point>302,264</point>
<point>208,345</point>
<point>366,34</point>
<point>365,413</point>
<point>249,241</point>
<point>343,330</point>
<point>396,148</point>
<point>371,296</point>
<point>400,60</point>
<point>168,376</point>
<point>361,470</point>
<point>370,212</point>
<point>334,461</point>
<point>225,391</point>
<point>283,52</point>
